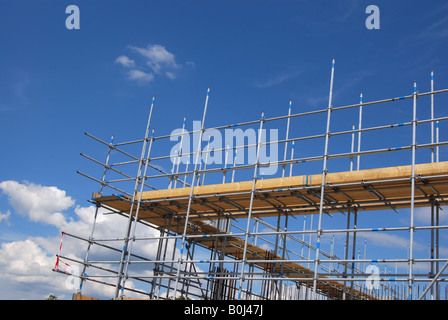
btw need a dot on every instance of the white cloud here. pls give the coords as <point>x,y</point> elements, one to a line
<point>26,271</point>
<point>140,76</point>
<point>125,61</point>
<point>150,61</point>
<point>40,204</point>
<point>26,265</point>
<point>157,57</point>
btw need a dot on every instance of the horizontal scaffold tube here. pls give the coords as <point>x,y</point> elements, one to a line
<point>266,233</point>
<point>307,113</point>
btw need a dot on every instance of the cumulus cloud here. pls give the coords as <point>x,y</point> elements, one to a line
<point>157,57</point>
<point>26,271</point>
<point>40,204</point>
<point>149,61</point>
<point>26,265</point>
<point>140,76</point>
<point>125,61</point>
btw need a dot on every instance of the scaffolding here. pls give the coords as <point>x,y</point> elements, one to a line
<point>256,229</point>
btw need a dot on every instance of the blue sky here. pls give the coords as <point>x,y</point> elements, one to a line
<point>56,84</point>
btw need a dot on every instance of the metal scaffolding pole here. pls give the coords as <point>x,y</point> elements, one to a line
<point>434,280</point>
<point>355,222</point>
<point>432,115</point>
<point>358,161</point>
<point>159,251</point>
<point>431,272</point>
<point>134,225</point>
<point>347,242</point>
<point>437,249</point>
<point>190,199</point>
<point>437,141</point>
<point>172,258</point>
<point>138,181</point>
<point>352,149</point>
<point>179,156</point>
<point>413,178</point>
<point>324,173</point>
<point>287,137</point>
<point>91,239</point>
<point>249,216</point>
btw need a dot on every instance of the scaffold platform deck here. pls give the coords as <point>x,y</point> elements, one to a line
<point>371,189</point>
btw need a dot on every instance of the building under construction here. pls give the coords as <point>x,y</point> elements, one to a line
<point>314,222</point>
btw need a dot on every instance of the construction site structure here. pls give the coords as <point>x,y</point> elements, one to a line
<point>227,230</point>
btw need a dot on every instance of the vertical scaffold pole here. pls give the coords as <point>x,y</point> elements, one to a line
<point>365,255</point>
<point>432,115</point>
<point>352,149</point>
<point>234,165</point>
<point>206,160</point>
<point>292,157</point>
<point>177,222</point>
<point>190,198</point>
<point>138,181</point>
<point>103,179</point>
<point>437,141</point>
<point>355,223</point>
<point>331,254</point>
<point>347,243</point>
<point>225,165</point>
<point>324,173</point>
<point>134,225</point>
<point>303,235</point>
<point>431,252</point>
<point>359,132</point>
<point>310,239</point>
<point>284,247</point>
<point>249,215</point>
<point>179,158</point>
<point>276,285</point>
<point>412,227</point>
<point>164,231</point>
<point>173,168</point>
<point>287,137</point>
<point>437,248</point>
